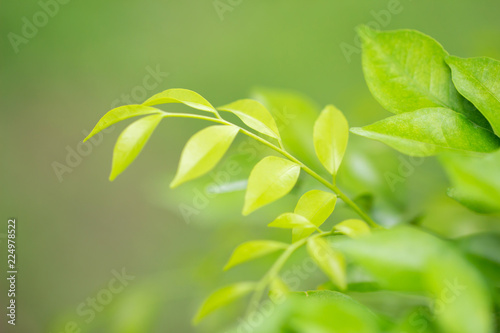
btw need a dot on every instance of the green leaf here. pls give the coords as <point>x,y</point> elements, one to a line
<point>478,80</point>
<point>331,132</point>
<point>475,179</point>
<point>252,250</point>
<point>410,260</point>
<point>272,178</point>
<point>203,151</point>
<point>316,206</point>
<point>429,132</point>
<point>222,297</point>
<point>352,228</point>
<point>184,96</point>
<point>131,141</point>
<point>329,260</point>
<point>254,115</point>
<point>406,71</point>
<point>119,114</point>
<point>291,220</point>
<point>278,289</point>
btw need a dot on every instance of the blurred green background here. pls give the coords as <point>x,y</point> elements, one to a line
<point>75,227</point>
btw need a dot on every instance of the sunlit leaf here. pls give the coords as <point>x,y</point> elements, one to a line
<point>352,228</point>
<point>406,71</point>
<point>478,80</point>
<point>278,289</point>
<point>272,178</point>
<point>184,96</point>
<point>331,132</point>
<point>254,115</point>
<point>222,297</point>
<point>431,131</point>
<point>329,260</point>
<point>291,220</point>
<point>119,114</point>
<point>475,180</point>
<point>316,206</point>
<point>131,141</point>
<point>203,151</point>
<point>252,250</point>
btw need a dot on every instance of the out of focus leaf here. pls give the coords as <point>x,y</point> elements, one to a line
<point>352,228</point>
<point>478,80</point>
<point>131,141</point>
<point>331,133</point>
<point>272,178</point>
<point>406,71</point>
<point>427,132</point>
<point>119,114</point>
<point>475,180</point>
<point>407,259</point>
<point>252,250</point>
<point>223,297</point>
<point>329,260</point>
<point>203,151</point>
<point>255,115</point>
<point>184,96</point>
<point>316,206</point>
<point>290,221</point>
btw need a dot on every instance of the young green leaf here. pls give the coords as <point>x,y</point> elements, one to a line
<point>254,115</point>
<point>131,141</point>
<point>329,260</point>
<point>406,71</point>
<point>316,206</point>
<point>272,178</point>
<point>331,132</point>
<point>291,220</point>
<point>431,131</point>
<point>252,250</point>
<point>121,113</point>
<point>184,96</point>
<point>477,79</point>
<point>352,228</point>
<point>203,151</point>
<point>278,289</point>
<point>223,297</point>
<point>475,179</point>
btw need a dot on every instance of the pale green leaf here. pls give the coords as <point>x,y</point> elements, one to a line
<point>331,132</point>
<point>475,180</point>
<point>252,250</point>
<point>222,297</point>
<point>131,141</point>
<point>430,131</point>
<point>184,96</point>
<point>203,151</point>
<point>291,220</point>
<point>478,80</point>
<point>119,114</point>
<point>272,178</point>
<point>254,115</point>
<point>329,260</point>
<point>316,206</point>
<point>278,289</point>
<point>406,71</point>
<point>352,228</point>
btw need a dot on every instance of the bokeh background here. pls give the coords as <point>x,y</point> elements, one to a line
<point>75,227</point>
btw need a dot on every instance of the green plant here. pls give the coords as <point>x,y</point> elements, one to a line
<point>443,105</point>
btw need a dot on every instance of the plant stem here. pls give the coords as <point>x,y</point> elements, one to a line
<point>283,152</point>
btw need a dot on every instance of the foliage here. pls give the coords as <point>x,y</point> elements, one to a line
<point>443,105</point>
